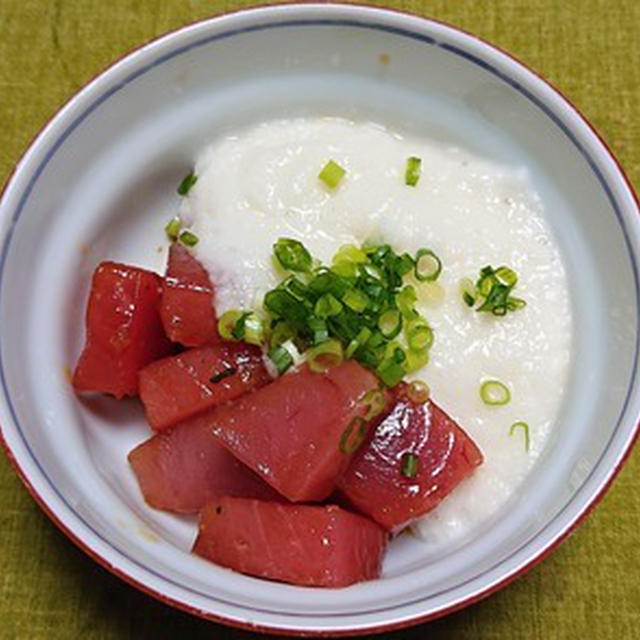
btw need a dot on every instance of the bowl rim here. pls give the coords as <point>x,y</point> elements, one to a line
<point>305,11</point>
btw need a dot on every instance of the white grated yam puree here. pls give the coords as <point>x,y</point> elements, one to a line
<point>262,184</point>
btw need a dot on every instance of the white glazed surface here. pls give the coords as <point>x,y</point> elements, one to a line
<point>261,183</point>
<point>100,181</point>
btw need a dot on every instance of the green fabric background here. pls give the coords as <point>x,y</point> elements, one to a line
<point>590,587</point>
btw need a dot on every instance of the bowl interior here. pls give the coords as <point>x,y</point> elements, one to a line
<point>101,183</point>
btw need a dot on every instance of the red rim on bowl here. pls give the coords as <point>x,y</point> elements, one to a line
<point>311,11</point>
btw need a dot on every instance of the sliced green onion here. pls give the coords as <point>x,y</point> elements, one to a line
<point>363,335</point>
<point>227,323</point>
<point>390,372</point>
<point>416,360</point>
<point>468,291</point>
<point>506,276</point>
<point>405,301</point>
<point>253,329</point>
<point>403,264</point>
<point>332,174</point>
<point>428,266</point>
<point>172,228</point>
<point>375,402</point>
<point>217,377</point>
<point>356,300</point>
<point>353,436</point>
<point>350,253</point>
<point>327,305</point>
<point>326,281</point>
<point>419,335</point>
<point>418,392</point>
<point>188,238</point>
<point>283,304</point>
<point>296,288</point>
<point>319,330</point>
<point>325,356</point>
<point>345,269</point>
<point>292,254</point>
<point>513,303</point>
<point>525,429</point>
<point>412,171</point>
<point>376,340</point>
<point>187,182</point>
<point>237,333</point>
<point>354,309</point>
<point>281,358</point>
<point>280,333</point>
<point>409,465</point>
<point>390,323</point>
<point>494,393</point>
<point>493,288</point>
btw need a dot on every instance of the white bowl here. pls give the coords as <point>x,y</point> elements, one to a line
<point>99,182</point>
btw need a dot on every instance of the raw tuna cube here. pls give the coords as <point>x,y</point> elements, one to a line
<point>290,431</point>
<point>320,546</point>
<point>124,332</point>
<point>187,308</point>
<point>183,469</point>
<point>375,484</point>
<point>178,387</point>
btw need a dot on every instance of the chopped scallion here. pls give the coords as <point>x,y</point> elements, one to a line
<point>253,329</point>
<point>416,360</point>
<point>327,305</point>
<point>353,436</point>
<point>409,465</point>
<point>319,329</point>
<point>492,291</point>
<point>525,429</point>
<point>390,372</point>
<point>405,301</point>
<point>217,377</point>
<point>350,253</point>
<point>363,335</point>
<point>172,228</point>
<point>227,323</point>
<point>292,254</point>
<point>412,171</point>
<point>237,333</point>
<point>345,269</point>
<point>281,333</point>
<point>375,402</point>
<point>390,323</point>
<point>324,356</point>
<point>281,358</point>
<point>356,300</point>
<point>428,266</point>
<point>187,182</point>
<point>332,174</point>
<point>188,238</point>
<point>468,291</point>
<point>494,393</point>
<point>419,335</point>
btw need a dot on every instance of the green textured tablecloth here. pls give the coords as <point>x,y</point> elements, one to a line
<point>590,587</point>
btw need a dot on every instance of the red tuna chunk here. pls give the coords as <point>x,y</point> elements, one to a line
<point>183,469</point>
<point>446,455</point>
<point>289,432</point>
<point>178,387</point>
<point>187,308</point>
<point>124,332</point>
<point>320,546</point>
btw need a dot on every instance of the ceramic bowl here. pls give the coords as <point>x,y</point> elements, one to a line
<point>99,182</point>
